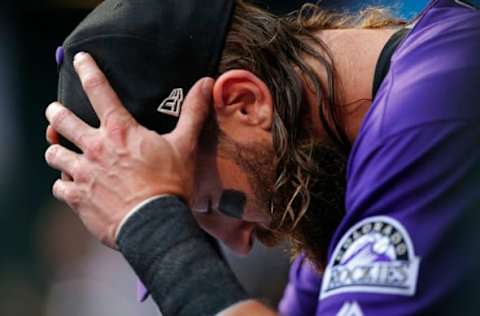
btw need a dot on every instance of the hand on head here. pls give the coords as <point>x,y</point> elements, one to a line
<point>122,163</point>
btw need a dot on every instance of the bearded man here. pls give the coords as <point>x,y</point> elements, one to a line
<point>354,137</point>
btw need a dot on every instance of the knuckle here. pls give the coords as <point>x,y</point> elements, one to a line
<point>79,173</point>
<point>115,120</point>
<point>59,117</point>
<point>72,197</point>
<point>112,121</point>
<point>94,149</point>
<point>117,127</point>
<point>93,80</point>
<point>82,140</point>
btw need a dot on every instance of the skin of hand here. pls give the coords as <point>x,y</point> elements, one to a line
<point>122,163</point>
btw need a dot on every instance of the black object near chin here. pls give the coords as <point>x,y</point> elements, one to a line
<point>232,203</point>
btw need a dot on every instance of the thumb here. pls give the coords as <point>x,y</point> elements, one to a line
<point>193,117</point>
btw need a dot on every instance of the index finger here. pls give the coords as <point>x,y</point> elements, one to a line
<point>104,100</point>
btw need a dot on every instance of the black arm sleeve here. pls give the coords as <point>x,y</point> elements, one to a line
<point>178,262</point>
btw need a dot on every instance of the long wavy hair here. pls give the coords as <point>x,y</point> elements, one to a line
<point>275,49</point>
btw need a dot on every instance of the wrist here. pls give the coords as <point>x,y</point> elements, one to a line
<point>134,210</point>
<point>177,261</point>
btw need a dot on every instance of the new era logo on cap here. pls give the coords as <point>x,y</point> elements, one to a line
<point>173,104</point>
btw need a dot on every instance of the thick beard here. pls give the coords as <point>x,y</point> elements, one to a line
<point>256,160</point>
<point>313,233</point>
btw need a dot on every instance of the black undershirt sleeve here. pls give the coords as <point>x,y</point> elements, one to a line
<point>179,263</point>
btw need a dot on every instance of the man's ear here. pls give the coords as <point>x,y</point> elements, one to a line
<point>242,98</point>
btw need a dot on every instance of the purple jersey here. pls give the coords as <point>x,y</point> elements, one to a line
<point>409,242</point>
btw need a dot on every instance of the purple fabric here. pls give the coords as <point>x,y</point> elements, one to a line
<point>60,55</point>
<point>417,161</point>
<point>142,292</point>
<point>301,294</point>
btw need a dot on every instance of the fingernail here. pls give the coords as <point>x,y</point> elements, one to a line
<point>52,109</point>
<point>50,153</point>
<point>79,57</point>
<point>207,86</point>
<point>57,189</point>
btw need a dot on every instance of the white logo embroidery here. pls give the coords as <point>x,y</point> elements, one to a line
<point>375,256</point>
<point>350,309</point>
<point>172,105</point>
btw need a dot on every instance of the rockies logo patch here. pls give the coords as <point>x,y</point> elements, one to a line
<point>374,256</point>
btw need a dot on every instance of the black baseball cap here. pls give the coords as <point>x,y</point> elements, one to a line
<point>151,51</point>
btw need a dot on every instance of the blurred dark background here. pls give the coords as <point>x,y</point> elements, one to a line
<point>48,263</point>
